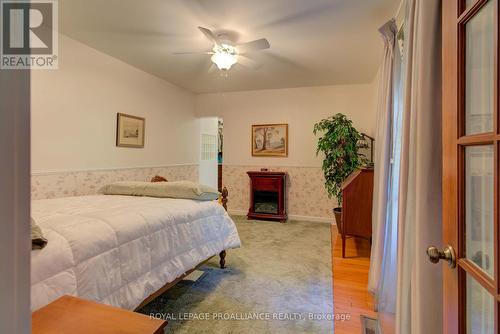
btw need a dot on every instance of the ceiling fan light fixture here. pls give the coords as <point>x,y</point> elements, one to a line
<point>225,52</point>
<point>224,57</point>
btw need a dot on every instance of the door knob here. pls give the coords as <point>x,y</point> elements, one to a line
<point>448,254</point>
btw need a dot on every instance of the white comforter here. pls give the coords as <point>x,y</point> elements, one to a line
<point>118,250</point>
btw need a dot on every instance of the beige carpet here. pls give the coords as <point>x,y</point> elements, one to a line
<point>275,283</point>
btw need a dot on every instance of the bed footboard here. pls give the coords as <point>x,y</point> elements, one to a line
<point>222,261</point>
<point>224,193</point>
<point>222,254</point>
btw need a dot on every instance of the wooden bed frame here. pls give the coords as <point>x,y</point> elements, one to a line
<point>222,263</point>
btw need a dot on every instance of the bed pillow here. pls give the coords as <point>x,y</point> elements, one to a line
<point>177,189</point>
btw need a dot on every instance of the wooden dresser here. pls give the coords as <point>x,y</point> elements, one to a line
<point>357,203</point>
<point>267,196</point>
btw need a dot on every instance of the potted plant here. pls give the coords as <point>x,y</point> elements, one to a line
<point>339,144</point>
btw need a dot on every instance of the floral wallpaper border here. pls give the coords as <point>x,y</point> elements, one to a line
<point>306,194</point>
<point>80,183</point>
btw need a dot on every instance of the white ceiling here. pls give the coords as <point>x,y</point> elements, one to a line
<point>313,42</point>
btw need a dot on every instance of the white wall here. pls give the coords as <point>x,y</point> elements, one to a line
<point>301,108</point>
<point>74,122</point>
<point>74,114</point>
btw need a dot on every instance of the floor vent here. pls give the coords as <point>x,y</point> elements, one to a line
<point>370,325</point>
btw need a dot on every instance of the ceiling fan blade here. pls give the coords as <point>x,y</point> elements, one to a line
<point>209,34</point>
<point>212,68</point>
<point>194,53</point>
<point>247,62</point>
<point>259,44</point>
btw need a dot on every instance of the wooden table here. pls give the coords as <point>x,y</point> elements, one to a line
<point>71,315</point>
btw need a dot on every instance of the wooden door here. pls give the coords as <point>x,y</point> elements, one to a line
<point>470,161</point>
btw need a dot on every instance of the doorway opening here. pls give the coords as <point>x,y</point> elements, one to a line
<point>211,158</point>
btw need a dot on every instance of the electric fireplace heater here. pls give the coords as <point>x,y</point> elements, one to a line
<point>267,196</point>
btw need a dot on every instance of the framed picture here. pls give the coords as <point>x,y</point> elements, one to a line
<point>130,131</point>
<point>270,140</point>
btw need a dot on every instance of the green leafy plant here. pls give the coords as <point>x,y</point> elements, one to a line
<point>339,143</point>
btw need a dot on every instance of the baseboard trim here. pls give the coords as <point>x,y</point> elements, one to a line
<point>312,219</point>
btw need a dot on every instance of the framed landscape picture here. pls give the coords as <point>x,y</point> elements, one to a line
<point>270,140</point>
<point>130,131</point>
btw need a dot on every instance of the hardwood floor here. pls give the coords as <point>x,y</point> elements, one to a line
<point>350,279</point>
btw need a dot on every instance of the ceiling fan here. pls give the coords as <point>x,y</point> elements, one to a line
<point>225,53</point>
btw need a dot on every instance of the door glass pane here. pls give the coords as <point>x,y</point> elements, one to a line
<point>469,3</point>
<point>480,309</point>
<point>479,206</point>
<point>479,71</point>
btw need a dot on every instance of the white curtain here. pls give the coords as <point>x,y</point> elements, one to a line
<point>382,275</point>
<point>386,298</point>
<point>419,299</point>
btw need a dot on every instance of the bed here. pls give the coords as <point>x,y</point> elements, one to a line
<point>123,250</point>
